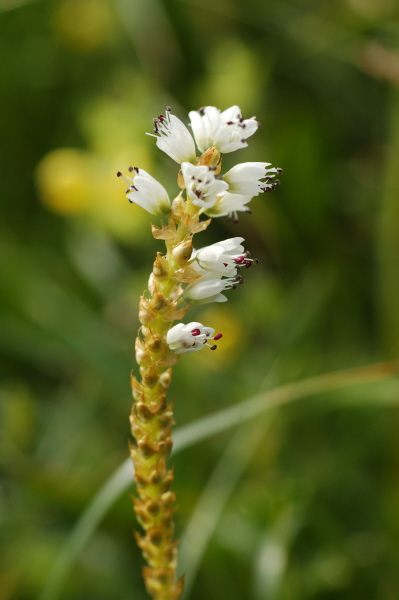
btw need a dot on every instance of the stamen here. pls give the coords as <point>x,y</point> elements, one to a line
<point>195,332</point>
<point>218,336</point>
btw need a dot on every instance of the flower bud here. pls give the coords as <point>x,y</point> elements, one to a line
<point>210,157</point>
<point>152,284</point>
<point>153,341</point>
<point>164,380</point>
<point>160,268</point>
<point>149,376</point>
<point>143,357</point>
<point>182,252</point>
<point>159,302</point>
<point>146,312</point>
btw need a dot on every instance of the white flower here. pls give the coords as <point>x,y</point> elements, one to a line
<point>226,131</point>
<point>202,187</point>
<point>190,337</point>
<point>229,204</point>
<point>208,288</point>
<point>146,191</point>
<point>224,258</point>
<point>173,137</point>
<point>246,178</point>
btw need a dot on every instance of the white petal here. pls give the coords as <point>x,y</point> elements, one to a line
<point>227,204</point>
<point>204,289</point>
<point>149,194</point>
<point>199,130</point>
<point>174,138</point>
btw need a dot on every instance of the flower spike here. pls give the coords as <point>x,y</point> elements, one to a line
<point>182,277</point>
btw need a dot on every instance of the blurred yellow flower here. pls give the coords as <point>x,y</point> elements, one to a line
<point>65,180</point>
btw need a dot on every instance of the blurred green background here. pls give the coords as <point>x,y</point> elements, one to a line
<point>313,511</point>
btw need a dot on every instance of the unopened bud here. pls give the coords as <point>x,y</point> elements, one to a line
<point>164,380</point>
<point>159,302</point>
<point>152,340</point>
<point>144,413</point>
<point>149,376</point>
<point>210,158</point>
<point>182,252</point>
<point>160,268</point>
<point>143,357</point>
<point>147,449</point>
<point>147,313</point>
<point>152,284</point>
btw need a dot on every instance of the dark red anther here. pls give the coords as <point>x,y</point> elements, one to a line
<point>130,169</point>
<point>119,174</point>
<point>279,171</point>
<point>218,336</point>
<point>239,260</point>
<point>195,332</point>
<point>213,347</point>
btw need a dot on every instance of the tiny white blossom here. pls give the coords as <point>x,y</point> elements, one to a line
<point>173,137</point>
<point>224,258</point>
<point>208,287</point>
<point>226,131</point>
<point>190,337</point>
<point>146,191</point>
<point>202,187</point>
<point>246,178</point>
<point>229,204</point>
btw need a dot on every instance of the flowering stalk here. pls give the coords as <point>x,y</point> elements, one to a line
<point>179,278</point>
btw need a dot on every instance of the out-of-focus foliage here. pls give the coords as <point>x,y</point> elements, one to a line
<point>315,515</point>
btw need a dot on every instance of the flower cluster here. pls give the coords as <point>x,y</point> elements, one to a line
<point>214,193</point>
<point>210,271</point>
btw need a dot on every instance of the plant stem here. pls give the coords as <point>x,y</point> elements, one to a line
<point>151,416</point>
